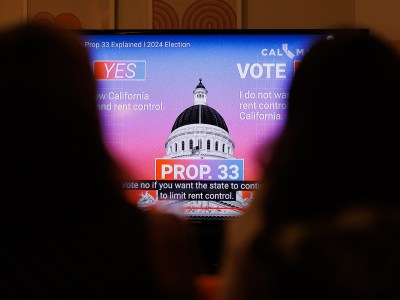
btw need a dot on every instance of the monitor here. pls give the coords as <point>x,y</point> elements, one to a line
<point>187,112</point>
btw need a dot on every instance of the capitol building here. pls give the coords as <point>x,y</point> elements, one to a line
<point>199,132</point>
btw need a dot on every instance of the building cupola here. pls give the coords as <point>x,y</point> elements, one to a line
<point>200,94</point>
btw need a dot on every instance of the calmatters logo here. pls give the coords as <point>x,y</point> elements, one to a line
<point>284,50</point>
<point>120,70</point>
<point>268,70</point>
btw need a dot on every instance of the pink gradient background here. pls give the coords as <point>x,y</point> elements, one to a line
<point>136,138</point>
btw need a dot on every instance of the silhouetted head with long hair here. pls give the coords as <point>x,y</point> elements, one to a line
<point>339,145</point>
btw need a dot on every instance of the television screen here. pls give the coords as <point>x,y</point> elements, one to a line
<point>188,112</point>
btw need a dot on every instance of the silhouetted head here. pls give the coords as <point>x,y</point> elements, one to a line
<point>340,142</point>
<point>52,157</point>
